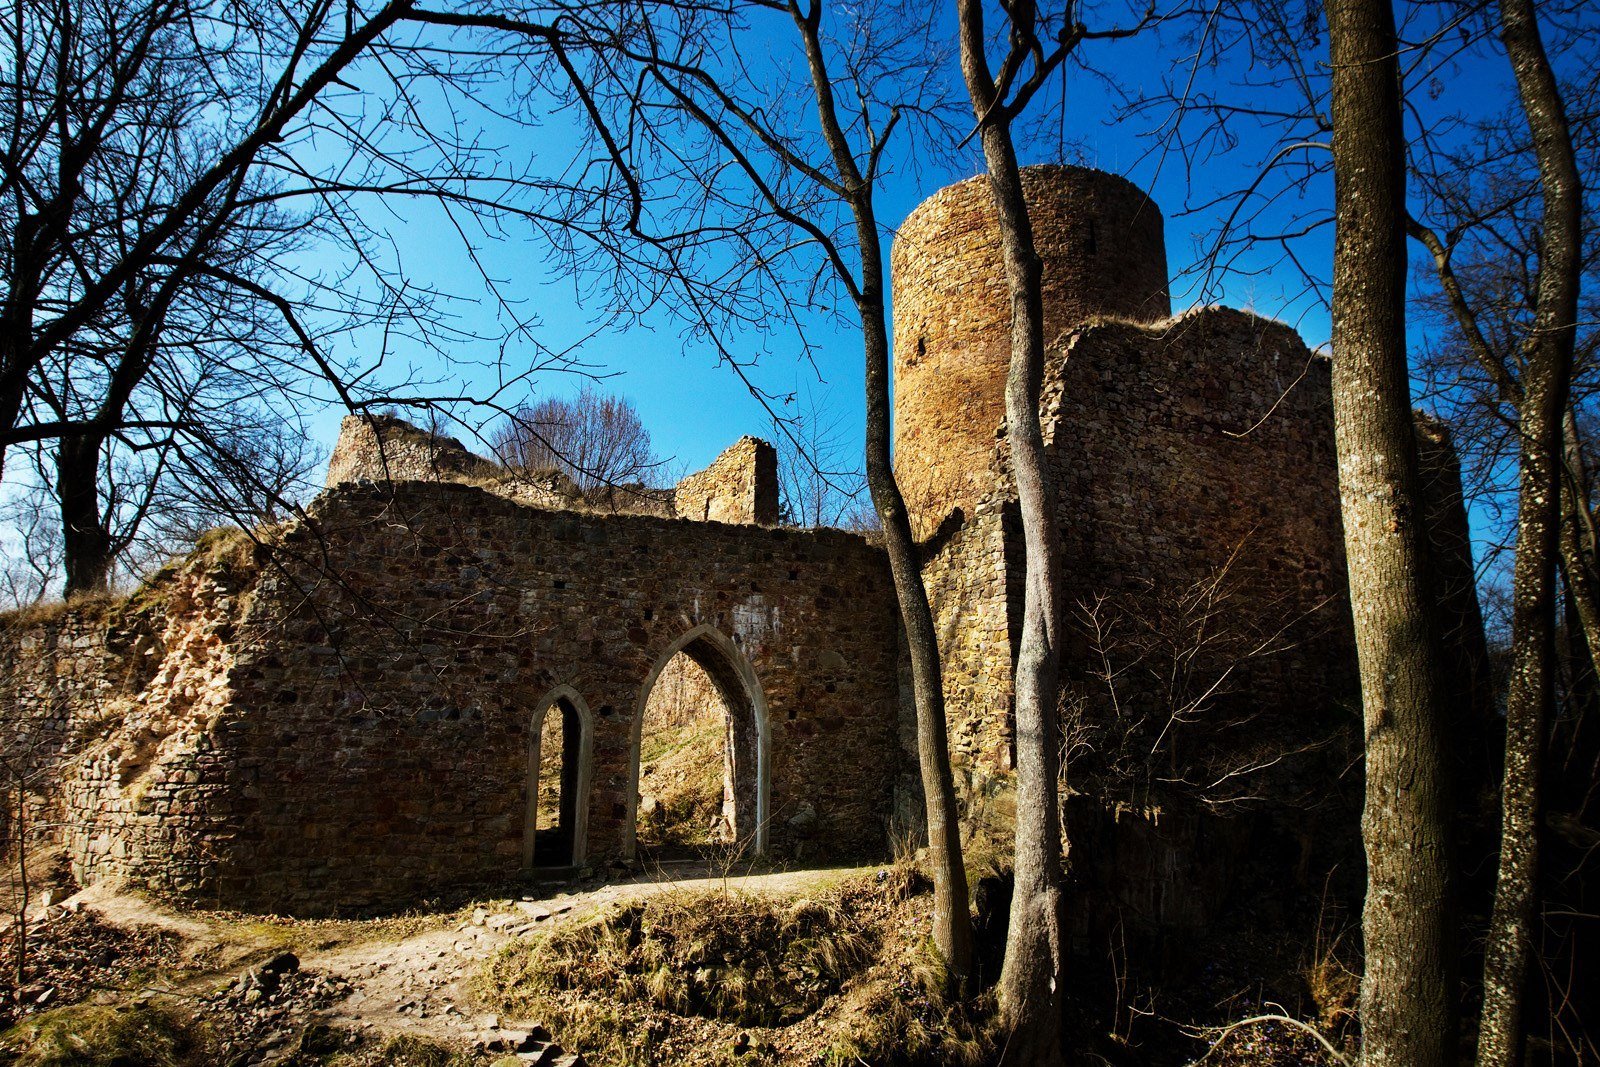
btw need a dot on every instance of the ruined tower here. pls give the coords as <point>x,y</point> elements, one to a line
<point>1101,242</point>
<point>1192,458</point>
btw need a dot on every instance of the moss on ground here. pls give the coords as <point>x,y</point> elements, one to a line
<point>93,1035</point>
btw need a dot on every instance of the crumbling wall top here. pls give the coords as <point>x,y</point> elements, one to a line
<point>383,448</point>
<point>740,486</point>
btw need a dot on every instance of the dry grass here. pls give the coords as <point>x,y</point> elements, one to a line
<point>408,1050</point>
<point>734,957</point>
<point>681,767</point>
<point>224,546</point>
<point>47,611</point>
<point>842,976</point>
<point>86,1035</point>
<point>903,1016</point>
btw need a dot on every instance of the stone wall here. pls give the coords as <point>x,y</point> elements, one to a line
<point>350,729</point>
<point>1210,664</point>
<point>112,702</point>
<point>1203,446</point>
<point>1101,242</point>
<point>973,577</point>
<point>741,485</point>
<point>382,448</point>
<point>1198,504</point>
<point>1474,726</point>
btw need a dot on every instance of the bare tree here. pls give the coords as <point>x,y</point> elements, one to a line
<point>1033,982</point>
<point>739,209</point>
<point>1481,218</point>
<point>595,438</point>
<point>32,556</point>
<point>1165,708</point>
<point>1408,988</point>
<point>818,482</point>
<point>166,166</point>
<point>1540,396</point>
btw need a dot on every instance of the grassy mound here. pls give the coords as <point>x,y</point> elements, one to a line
<point>737,958</point>
<point>842,976</point>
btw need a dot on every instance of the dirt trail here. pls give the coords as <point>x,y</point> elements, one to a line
<point>412,975</point>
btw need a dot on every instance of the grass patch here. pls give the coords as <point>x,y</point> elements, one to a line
<point>681,768</point>
<point>905,1017</point>
<point>735,957</point>
<point>843,977</point>
<point>408,1050</point>
<point>133,1035</point>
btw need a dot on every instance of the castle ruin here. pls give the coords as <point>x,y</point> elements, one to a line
<point>348,712</point>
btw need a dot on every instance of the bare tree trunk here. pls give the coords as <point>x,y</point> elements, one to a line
<point>86,543</point>
<point>1408,990</point>
<point>1579,785</point>
<point>1578,549</point>
<point>1032,983</point>
<point>952,914</point>
<point>1547,368</point>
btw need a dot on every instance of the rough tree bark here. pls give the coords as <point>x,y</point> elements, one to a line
<point>1032,982</point>
<point>1547,369</point>
<point>1408,990</point>
<point>86,543</point>
<point>952,916</point>
<point>1578,546</point>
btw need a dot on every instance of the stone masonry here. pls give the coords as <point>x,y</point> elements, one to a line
<point>349,728</point>
<point>741,485</point>
<point>1100,239</point>
<point>342,713</point>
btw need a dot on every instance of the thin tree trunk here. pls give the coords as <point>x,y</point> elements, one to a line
<point>1408,989</point>
<point>1547,367</point>
<point>1579,753</point>
<point>1529,696</point>
<point>952,914</point>
<point>1032,982</point>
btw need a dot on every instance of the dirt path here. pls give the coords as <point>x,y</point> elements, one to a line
<point>413,975</point>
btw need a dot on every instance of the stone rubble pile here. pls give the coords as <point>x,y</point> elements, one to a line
<point>265,1015</point>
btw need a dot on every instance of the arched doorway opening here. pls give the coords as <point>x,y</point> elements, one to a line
<point>560,751</point>
<point>700,761</point>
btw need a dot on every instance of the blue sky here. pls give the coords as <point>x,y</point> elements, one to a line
<point>694,408</point>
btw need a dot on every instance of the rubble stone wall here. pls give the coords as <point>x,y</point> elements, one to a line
<point>740,486</point>
<point>352,729</point>
<point>977,616</point>
<point>383,448</point>
<point>113,704</point>
<point>1202,445</point>
<point>1101,242</point>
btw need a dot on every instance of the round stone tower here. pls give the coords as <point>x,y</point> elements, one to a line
<point>1100,239</point>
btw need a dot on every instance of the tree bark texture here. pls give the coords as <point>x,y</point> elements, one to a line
<point>1547,370</point>
<point>1408,989</point>
<point>86,543</point>
<point>1032,982</point>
